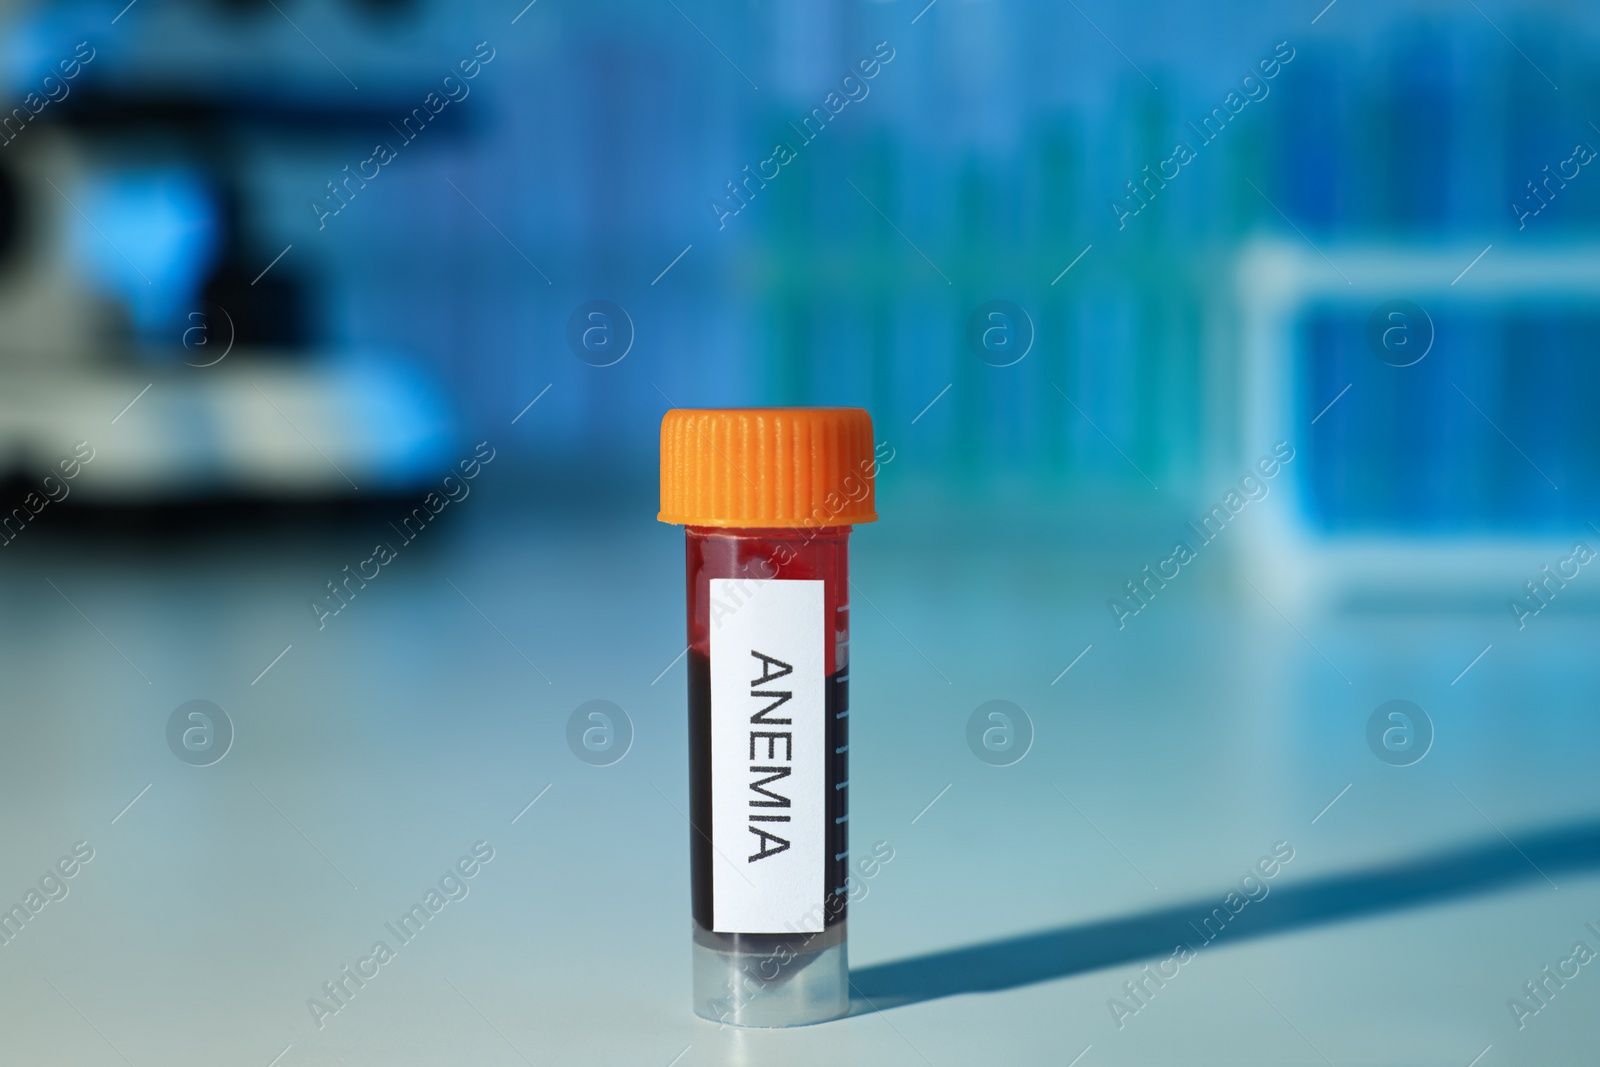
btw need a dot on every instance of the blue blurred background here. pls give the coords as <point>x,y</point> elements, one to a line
<point>271,269</point>
<point>994,148</point>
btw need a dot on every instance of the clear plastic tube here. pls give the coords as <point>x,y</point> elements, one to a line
<point>769,637</point>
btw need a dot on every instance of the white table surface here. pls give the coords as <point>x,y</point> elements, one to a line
<point>1169,759</point>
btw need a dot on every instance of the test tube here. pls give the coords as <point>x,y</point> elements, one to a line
<point>768,497</point>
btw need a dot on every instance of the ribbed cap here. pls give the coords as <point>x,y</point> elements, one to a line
<point>767,467</point>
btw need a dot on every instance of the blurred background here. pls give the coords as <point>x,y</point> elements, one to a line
<point>433,299</point>
<point>270,270</point>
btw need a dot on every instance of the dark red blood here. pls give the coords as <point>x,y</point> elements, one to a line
<point>782,554</point>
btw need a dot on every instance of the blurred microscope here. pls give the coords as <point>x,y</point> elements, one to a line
<point>157,300</point>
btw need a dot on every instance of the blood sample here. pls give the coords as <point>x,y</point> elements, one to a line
<point>768,497</point>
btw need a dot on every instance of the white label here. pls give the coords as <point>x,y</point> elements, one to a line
<point>768,756</point>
